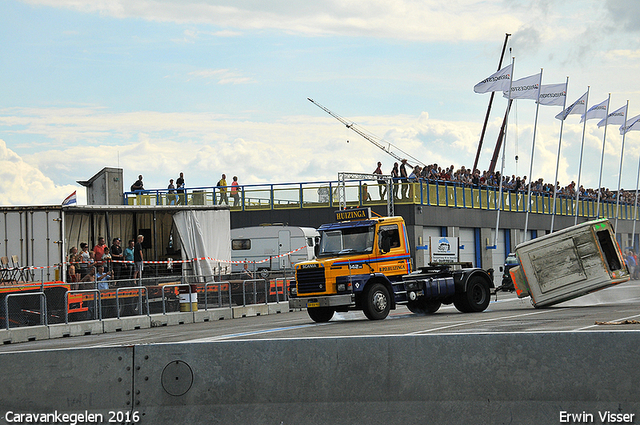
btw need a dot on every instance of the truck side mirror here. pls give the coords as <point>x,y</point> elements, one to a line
<point>316,250</point>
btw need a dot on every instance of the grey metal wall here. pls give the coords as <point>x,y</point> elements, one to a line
<point>434,379</point>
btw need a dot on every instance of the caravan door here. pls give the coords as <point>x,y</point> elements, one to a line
<point>284,246</point>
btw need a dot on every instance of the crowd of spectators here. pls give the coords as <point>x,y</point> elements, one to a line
<point>464,176</point>
<point>103,264</point>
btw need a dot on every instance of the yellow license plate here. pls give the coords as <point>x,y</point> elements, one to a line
<point>311,305</point>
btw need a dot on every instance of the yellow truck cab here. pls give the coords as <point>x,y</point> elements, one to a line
<point>364,263</point>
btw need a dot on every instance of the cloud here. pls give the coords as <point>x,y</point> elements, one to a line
<point>291,149</point>
<point>23,184</point>
<point>402,19</point>
<point>223,76</point>
<point>625,13</point>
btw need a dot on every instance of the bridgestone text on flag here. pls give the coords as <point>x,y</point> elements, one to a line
<point>597,111</point>
<point>524,88</point>
<point>577,107</point>
<point>496,82</point>
<point>616,117</point>
<point>553,94</point>
<point>633,124</point>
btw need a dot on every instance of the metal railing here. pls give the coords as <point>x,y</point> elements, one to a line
<point>66,303</point>
<point>43,306</point>
<point>133,288</point>
<point>177,285</point>
<point>84,291</point>
<point>365,192</point>
<point>218,288</point>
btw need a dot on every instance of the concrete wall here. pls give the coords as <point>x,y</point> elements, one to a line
<point>428,379</point>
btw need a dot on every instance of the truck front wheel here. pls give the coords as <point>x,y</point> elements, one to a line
<point>320,314</point>
<point>377,304</point>
<point>476,298</point>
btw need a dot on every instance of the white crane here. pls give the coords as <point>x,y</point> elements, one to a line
<point>380,143</point>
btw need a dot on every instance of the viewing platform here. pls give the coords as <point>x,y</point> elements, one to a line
<point>359,193</point>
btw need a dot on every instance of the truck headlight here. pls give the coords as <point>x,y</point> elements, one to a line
<point>342,287</point>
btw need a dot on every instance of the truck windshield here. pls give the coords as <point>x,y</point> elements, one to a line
<point>353,240</point>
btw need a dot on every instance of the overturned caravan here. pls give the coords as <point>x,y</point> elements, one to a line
<point>568,264</point>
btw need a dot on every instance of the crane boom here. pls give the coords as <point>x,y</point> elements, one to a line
<point>380,143</point>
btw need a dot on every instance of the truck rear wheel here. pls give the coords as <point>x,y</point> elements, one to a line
<point>424,306</point>
<point>377,304</point>
<point>320,314</point>
<point>476,298</point>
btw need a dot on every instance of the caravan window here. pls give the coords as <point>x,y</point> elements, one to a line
<point>309,241</point>
<point>609,250</point>
<point>240,244</point>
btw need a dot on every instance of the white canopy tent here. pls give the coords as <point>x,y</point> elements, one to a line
<point>206,236</point>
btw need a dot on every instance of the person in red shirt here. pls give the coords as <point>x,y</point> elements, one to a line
<point>234,192</point>
<point>98,250</point>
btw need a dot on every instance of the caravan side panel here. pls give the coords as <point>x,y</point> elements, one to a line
<point>571,263</point>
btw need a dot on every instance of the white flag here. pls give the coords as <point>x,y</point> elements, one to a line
<point>577,107</point>
<point>496,82</point>
<point>616,117</point>
<point>633,124</point>
<point>524,88</point>
<point>596,111</point>
<point>553,94</point>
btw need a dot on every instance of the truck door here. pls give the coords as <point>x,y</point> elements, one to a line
<point>394,256</point>
<point>284,246</point>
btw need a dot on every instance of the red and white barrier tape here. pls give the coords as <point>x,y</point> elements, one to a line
<point>215,260</point>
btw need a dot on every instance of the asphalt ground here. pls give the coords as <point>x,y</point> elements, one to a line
<point>506,313</point>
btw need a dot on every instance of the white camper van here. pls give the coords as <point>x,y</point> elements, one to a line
<point>266,245</point>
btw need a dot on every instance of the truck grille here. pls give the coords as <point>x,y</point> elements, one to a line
<point>311,280</point>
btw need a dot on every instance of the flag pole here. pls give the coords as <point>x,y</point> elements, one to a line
<point>555,180</point>
<point>584,127</point>
<point>604,139</point>
<point>504,149</point>
<point>486,118</point>
<point>533,147</point>
<point>615,228</point>
<point>635,206</point>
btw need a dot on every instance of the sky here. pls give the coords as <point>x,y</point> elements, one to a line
<point>159,87</point>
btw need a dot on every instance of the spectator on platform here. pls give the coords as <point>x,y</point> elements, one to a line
<point>117,257</point>
<point>73,275</point>
<point>172,199</point>
<point>138,258</point>
<point>129,257</point>
<point>137,185</point>
<point>102,278</point>
<point>106,260</point>
<point>222,186</point>
<point>85,259</point>
<point>98,250</point>
<point>235,193</point>
<point>181,189</point>
<point>395,175</point>
<point>404,178</point>
<point>382,186</point>
<point>366,196</point>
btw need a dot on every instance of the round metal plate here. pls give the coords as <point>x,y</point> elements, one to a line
<point>177,378</point>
